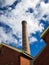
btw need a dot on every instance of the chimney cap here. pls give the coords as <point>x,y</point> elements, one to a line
<point>24,22</point>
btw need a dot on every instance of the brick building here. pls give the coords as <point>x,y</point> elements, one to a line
<point>13,56</point>
<point>43,58</point>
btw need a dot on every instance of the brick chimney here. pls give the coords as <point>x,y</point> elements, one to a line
<point>25,44</point>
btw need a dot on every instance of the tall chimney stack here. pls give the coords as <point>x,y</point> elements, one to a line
<point>25,44</point>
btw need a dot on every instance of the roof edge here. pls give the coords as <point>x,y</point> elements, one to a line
<point>44,32</point>
<point>20,51</point>
<point>3,44</point>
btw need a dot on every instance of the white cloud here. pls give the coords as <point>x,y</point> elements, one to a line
<point>42,10</point>
<point>15,17</point>
<point>6,38</point>
<point>32,39</point>
<point>6,2</point>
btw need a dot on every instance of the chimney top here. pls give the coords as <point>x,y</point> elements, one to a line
<point>24,22</point>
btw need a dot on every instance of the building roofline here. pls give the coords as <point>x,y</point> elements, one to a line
<point>43,34</point>
<point>3,44</point>
<point>22,52</point>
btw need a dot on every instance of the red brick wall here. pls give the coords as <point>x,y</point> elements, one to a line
<point>9,57</point>
<point>46,38</point>
<point>24,61</point>
<point>43,58</point>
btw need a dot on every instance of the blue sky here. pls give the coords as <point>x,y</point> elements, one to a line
<point>35,12</point>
